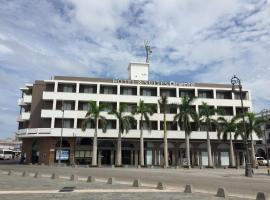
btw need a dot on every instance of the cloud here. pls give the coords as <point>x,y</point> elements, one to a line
<point>191,40</point>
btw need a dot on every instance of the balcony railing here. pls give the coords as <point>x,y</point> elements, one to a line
<point>23,116</point>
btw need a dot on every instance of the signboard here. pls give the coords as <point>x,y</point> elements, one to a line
<point>64,155</point>
<point>167,83</point>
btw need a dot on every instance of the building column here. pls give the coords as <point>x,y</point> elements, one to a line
<point>99,157</point>
<point>136,157</point>
<point>112,157</point>
<point>174,157</point>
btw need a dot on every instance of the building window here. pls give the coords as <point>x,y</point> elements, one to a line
<point>170,126</point>
<point>90,124</point>
<point>153,125</point>
<point>67,123</point>
<point>67,105</point>
<point>83,105</point>
<point>148,91</point>
<point>168,92</point>
<point>111,124</point>
<point>108,89</point>
<point>225,110</point>
<point>239,110</point>
<point>108,106</point>
<point>244,95</point>
<point>129,107</point>
<point>49,87</point>
<point>206,94</point>
<point>224,95</point>
<point>47,104</point>
<point>46,122</point>
<point>63,87</point>
<point>91,89</point>
<point>187,92</point>
<point>128,90</point>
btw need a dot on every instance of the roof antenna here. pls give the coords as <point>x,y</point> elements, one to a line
<point>148,50</point>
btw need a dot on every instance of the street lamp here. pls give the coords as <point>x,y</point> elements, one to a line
<point>236,82</point>
<point>264,113</point>
<point>61,137</point>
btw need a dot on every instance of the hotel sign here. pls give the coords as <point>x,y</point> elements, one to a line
<point>166,83</point>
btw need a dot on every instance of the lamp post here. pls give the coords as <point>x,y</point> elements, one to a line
<point>61,137</point>
<point>236,82</point>
<point>264,113</point>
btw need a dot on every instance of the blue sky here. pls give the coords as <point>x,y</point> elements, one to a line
<point>192,40</point>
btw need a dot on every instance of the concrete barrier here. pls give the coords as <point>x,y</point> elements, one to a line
<point>137,183</point>
<point>262,196</point>
<point>25,173</point>
<point>111,181</point>
<point>37,175</point>
<point>221,192</point>
<point>188,189</point>
<point>91,179</point>
<point>9,172</point>
<point>74,177</point>
<point>54,176</point>
<point>160,186</point>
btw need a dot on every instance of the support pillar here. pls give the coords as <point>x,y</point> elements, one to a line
<point>136,157</point>
<point>112,157</point>
<point>99,157</point>
<point>131,157</point>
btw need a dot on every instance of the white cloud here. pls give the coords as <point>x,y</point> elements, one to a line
<point>195,40</point>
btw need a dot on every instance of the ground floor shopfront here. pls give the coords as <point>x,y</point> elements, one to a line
<point>79,151</point>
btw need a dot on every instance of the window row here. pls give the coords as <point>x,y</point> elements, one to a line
<point>111,124</point>
<point>144,91</point>
<point>109,106</point>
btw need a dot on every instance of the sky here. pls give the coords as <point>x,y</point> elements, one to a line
<point>192,41</point>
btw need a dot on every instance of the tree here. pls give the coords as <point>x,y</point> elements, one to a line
<point>125,124</point>
<point>205,113</point>
<point>144,111</point>
<point>183,118</point>
<point>253,125</point>
<point>163,103</point>
<point>225,130</point>
<point>93,114</point>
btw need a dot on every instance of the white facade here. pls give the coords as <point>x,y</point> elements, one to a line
<point>138,71</point>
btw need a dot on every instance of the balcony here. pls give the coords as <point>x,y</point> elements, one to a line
<point>24,116</point>
<point>27,99</point>
<point>20,102</point>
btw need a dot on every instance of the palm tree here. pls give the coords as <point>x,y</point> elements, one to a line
<point>252,124</point>
<point>144,111</point>
<point>125,123</point>
<point>205,114</point>
<point>93,114</point>
<point>225,129</point>
<point>183,118</point>
<point>163,103</point>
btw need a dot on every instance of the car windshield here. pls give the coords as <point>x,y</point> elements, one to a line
<point>260,158</point>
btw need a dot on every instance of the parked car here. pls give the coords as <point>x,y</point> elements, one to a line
<point>261,161</point>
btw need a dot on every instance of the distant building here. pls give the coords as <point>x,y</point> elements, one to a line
<point>263,146</point>
<point>40,119</point>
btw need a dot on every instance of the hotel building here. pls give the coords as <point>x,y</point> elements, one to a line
<point>45,103</point>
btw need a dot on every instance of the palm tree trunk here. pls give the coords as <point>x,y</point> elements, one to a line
<point>119,150</point>
<point>210,161</point>
<point>253,158</point>
<point>141,145</point>
<point>94,152</point>
<point>166,163</point>
<point>232,158</point>
<point>187,149</point>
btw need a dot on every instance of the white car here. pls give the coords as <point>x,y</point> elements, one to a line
<point>261,161</point>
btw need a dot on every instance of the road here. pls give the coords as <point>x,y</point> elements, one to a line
<point>203,180</point>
